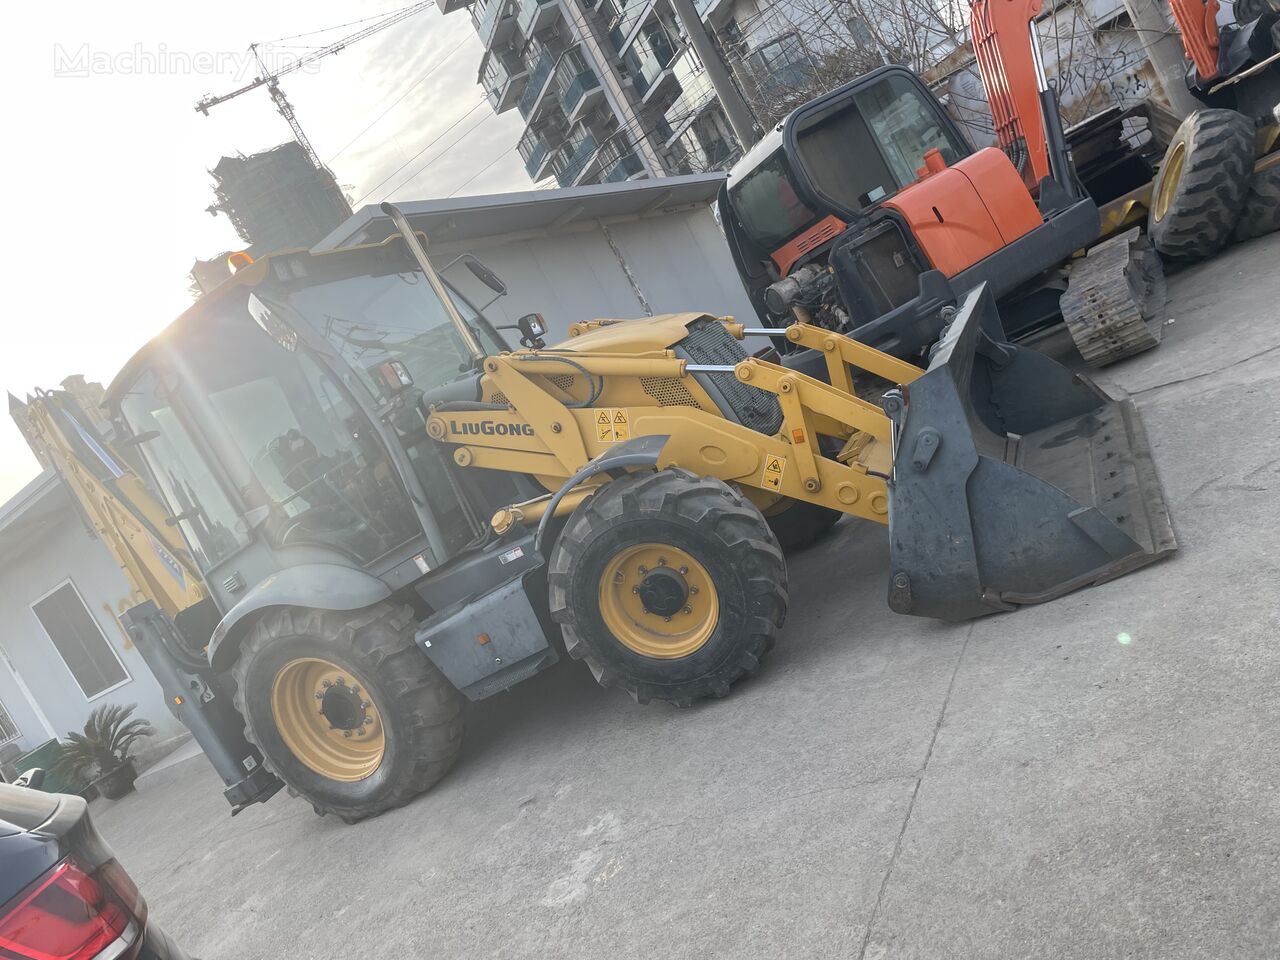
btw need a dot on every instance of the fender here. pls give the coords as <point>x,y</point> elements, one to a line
<point>321,586</point>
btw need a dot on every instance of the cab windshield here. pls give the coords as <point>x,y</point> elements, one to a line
<point>865,148</point>
<point>231,404</point>
<point>856,152</point>
<point>396,316</point>
<point>768,207</point>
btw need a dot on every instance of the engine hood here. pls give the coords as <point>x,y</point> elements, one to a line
<point>648,335</point>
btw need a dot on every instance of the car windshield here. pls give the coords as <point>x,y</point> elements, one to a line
<point>397,316</point>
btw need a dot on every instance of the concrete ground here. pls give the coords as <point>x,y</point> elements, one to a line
<point>1027,785</point>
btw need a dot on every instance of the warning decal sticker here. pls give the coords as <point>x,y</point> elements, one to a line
<point>773,469</point>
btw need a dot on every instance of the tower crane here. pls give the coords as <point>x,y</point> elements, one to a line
<point>271,79</point>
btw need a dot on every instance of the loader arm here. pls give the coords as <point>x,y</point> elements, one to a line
<point>1003,477</point>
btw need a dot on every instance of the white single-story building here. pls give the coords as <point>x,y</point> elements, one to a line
<point>62,650</point>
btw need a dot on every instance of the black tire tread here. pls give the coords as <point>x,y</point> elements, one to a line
<point>674,493</point>
<point>1211,191</point>
<point>381,641</point>
<point>1261,213</point>
<point>802,524</point>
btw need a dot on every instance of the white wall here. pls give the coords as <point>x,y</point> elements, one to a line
<point>679,262</point>
<point>67,552</point>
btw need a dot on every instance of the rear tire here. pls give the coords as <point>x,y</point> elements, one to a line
<point>713,559</point>
<point>1261,213</point>
<point>798,524</point>
<point>381,686</point>
<point>1200,189</point>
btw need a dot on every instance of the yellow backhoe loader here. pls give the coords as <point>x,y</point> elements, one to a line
<point>391,511</point>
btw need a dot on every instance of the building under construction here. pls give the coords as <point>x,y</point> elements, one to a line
<point>278,199</point>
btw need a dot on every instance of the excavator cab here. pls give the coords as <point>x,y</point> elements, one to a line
<point>867,211</point>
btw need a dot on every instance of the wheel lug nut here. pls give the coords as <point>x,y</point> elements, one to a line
<point>662,561</point>
<point>688,609</point>
<point>643,570</point>
<point>346,733</point>
<point>693,589</point>
<point>618,577</point>
<point>683,571</point>
<point>365,704</point>
<point>326,684</point>
<point>666,619</point>
<point>635,589</point>
<point>354,688</point>
<point>319,695</point>
<point>368,720</point>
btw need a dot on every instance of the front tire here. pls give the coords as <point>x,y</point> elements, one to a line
<point>346,709</point>
<point>1200,189</point>
<point>669,586</point>
<point>799,524</point>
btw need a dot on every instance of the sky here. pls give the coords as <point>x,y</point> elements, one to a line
<point>105,175</point>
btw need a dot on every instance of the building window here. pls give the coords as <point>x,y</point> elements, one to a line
<point>80,641</point>
<point>8,729</point>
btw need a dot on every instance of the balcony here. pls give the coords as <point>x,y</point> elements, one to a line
<point>448,6</point>
<point>502,85</point>
<point>626,168</point>
<point>494,21</point>
<point>573,160</point>
<point>533,150</point>
<point>623,31</point>
<point>538,76</point>
<point>579,86</point>
<point>535,15</point>
<point>650,65</point>
<point>618,159</point>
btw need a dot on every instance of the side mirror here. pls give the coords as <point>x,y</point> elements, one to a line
<point>486,276</point>
<point>32,779</point>
<point>532,329</point>
<point>393,377</point>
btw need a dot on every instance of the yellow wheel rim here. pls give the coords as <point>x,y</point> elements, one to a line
<point>327,719</point>
<point>1169,178</point>
<point>658,601</point>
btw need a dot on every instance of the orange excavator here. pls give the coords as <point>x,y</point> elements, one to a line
<point>867,211</point>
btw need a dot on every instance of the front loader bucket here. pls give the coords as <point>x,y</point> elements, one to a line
<point>1014,480</point>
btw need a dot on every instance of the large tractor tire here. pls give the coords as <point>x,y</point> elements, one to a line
<point>669,586</point>
<point>1261,213</point>
<point>346,709</point>
<point>798,524</point>
<point>1201,186</point>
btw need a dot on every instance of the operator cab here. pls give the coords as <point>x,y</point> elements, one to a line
<point>830,161</point>
<point>269,424</point>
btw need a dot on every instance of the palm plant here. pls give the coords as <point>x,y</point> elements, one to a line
<point>104,746</point>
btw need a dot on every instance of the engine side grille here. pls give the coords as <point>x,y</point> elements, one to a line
<point>668,391</point>
<point>709,342</point>
<point>562,380</point>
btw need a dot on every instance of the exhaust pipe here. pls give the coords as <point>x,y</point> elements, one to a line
<point>419,251</point>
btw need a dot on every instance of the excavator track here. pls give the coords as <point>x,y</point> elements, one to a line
<point>1114,304</point>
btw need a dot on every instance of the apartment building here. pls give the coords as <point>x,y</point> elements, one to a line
<point>609,90</point>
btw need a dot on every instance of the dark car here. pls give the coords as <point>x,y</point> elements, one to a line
<point>63,895</point>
